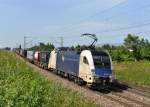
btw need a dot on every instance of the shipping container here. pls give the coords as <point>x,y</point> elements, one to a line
<point>44,58</point>
<point>23,53</point>
<point>52,60</point>
<point>30,55</point>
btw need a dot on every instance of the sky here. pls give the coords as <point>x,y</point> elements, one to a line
<point>48,20</point>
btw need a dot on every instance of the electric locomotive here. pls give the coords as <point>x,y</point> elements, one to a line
<point>92,68</point>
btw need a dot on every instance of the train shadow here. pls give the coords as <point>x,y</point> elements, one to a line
<point>115,86</point>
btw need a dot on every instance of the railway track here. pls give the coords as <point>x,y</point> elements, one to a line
<point>128,100</point>
<point>133,89</point>
<point>136,95</point>
<point>116,94</point>
<point>123,99</point>
<point>143,92</point>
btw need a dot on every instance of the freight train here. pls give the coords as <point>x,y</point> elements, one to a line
<point>85,67</point>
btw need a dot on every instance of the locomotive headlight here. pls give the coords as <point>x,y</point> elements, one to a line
<point>110,76</point>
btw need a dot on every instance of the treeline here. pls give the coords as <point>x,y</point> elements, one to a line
<point>42,47</point>
<point>6,48</point>
<point>134,48</point>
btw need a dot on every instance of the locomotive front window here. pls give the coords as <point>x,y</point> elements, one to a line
<point>101,61</point>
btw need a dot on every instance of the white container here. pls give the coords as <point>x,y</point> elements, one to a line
<point>30,55</point>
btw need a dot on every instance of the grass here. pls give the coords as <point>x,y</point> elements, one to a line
<point>21,87</point>
<point>137,73</point>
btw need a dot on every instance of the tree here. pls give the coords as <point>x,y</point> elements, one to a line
<point>72,48</point>
<point>78,48</point>
<point>145,52</point>
<point>132,42</point>
<point>7,48</point>
<point>43,47</point>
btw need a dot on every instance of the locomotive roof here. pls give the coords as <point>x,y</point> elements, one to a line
<point>69,52</point>
<point>99,52</point>
<point>78,52</point>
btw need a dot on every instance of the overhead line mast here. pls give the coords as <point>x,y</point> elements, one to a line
<point>61,41</point>
<point>25,42</point>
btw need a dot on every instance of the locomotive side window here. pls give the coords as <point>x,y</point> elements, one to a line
<point>85,60</point>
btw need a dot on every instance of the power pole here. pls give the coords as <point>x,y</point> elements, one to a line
<point>25,42</point>
<point>61,41</point>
